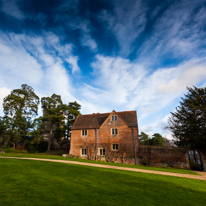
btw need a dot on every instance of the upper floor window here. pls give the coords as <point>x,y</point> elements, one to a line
<point>114,131</point>
<point>84,132</point>
<point>114,118</point>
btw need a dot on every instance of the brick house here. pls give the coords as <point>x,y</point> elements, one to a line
<point>95,133</point>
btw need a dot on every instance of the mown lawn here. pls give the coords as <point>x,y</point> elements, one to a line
<point>182,171</point>
<point>26,182</point>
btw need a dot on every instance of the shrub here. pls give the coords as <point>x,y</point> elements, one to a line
<point>37,147</point>
<point>7,146</point>
<point>12,150</point>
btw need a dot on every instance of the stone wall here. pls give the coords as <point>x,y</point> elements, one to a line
<point>203,156</point>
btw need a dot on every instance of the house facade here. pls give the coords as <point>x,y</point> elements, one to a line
<point>97,134</point>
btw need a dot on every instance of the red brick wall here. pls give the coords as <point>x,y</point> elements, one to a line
<point>104,135</point>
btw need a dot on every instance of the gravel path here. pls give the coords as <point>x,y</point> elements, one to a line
<point>202,177</point>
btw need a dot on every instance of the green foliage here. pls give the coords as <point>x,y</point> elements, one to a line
<point>188,122</point>
<point>37,146</point>
<point>7,146</point>
<point>156,140</point>
<point>71,113</point>
<point>53,114</point>
<point>144,138</point>
<point>12,150</point>
<point>20,106</point>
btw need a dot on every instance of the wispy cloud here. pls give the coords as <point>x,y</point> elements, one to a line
<point>10,7</point>
<point>126,22</point>
<point>178,33</point>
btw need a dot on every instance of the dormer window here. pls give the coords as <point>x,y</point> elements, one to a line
<point>114,117</point>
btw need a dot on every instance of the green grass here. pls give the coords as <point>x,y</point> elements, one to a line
<point>182,171</point>
<point>26,182</point>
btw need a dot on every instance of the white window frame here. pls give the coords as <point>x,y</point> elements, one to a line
<point>114,118</point>
<point>85,152</point>
<point>114,131</point>
<point>83,132</point>
<point>103,153</point>
<point>115,147</point>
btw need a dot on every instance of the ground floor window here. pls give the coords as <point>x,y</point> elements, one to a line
<point>84,151</point>
<point>102,152</point>
<point>115,146</point>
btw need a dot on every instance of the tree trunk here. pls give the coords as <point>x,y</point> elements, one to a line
<point>14,144</point>
<point>50,138</point>
<point>67,144</point>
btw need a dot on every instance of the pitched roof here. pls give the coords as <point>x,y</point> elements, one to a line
<point>92,121</point>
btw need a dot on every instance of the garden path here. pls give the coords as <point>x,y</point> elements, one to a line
<point>201,177</point>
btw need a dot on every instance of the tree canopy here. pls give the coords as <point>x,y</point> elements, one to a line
<point>53,114</point>
<point>19,124</point>
<point>188,122</point>
<point>156,140</point>
<point>19,107</point>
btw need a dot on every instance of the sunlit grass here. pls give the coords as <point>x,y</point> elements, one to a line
<point>26,182</point>
<point>182,171</point>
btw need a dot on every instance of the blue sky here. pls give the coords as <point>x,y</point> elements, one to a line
<point>107,55</point>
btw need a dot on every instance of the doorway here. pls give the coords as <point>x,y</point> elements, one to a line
<point>195,160</point>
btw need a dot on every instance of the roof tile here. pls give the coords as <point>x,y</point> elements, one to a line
<point>92,121</point>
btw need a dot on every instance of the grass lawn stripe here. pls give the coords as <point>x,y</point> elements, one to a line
<point>25,182</point>
<point>174,170</point>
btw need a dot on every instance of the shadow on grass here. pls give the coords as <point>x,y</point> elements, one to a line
<point>24,182</point>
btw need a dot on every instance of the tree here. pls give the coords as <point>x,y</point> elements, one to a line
<point>188,122</point>
<point>144,138</point>
<point>71,113</point>
<point>19,107</point>
<point>53,114</point>
<point>157,140</point>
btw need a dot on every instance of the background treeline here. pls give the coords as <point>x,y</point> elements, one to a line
<point>20,125</point>
<point>156,140</point>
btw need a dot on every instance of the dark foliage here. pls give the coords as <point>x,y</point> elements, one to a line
<point>188,122</point>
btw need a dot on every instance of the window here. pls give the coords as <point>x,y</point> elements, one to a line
<point>114,118</point>
<point>114,131</point>
<point>84,132</point>
<point>84,152</point>
<point>102,152</point>
<point>115,146</point>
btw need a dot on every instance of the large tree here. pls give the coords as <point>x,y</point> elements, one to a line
<point>53,114</point>
<point>71,113</point>
<point>157,140</point>
<point>144,138</point>
<point>188,122</point>
<point>20,106</point>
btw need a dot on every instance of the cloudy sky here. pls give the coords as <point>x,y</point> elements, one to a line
<point>105,54</point>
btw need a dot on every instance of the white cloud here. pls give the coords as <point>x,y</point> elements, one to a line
<point>121,84</point>
<point>3,93</point>
<point>87,41</point>
<point>10,7</point>
<point>72,60</point>
<point>127,23</point>
<point>17,63</point>
<point>116,79</point>
<point>37,61</point>
<point>177,33</point>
